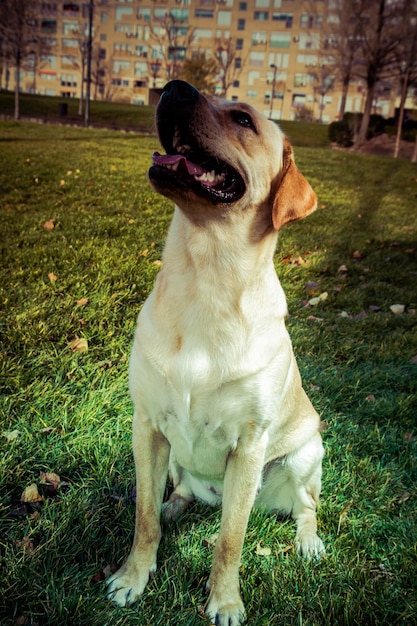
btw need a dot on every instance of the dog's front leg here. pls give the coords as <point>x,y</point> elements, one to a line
<point>151,453</point>
<point>242,478</point>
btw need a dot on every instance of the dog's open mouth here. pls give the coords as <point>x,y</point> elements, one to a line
<point>190,168</point>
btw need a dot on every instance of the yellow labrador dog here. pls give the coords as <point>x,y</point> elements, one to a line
<point>216,388</point>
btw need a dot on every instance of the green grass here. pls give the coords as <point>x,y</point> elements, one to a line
<point>73,412</point>
<point>102,114</point>
<point>115,115</point>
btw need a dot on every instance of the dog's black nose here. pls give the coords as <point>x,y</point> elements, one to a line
<point>180,92</point>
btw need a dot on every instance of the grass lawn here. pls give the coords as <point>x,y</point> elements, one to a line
<point>81,237</point>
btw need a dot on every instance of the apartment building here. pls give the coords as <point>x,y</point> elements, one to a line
<point>273,48</point>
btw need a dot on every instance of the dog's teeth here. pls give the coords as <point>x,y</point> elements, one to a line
<point>210,177</point>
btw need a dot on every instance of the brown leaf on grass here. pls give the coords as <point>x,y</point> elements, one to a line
<point>79,344</point>
<point>343,515</point>
<point>49,224</point>
<point>82,301</point>
<point>357,255</point>
<point>49,483</point>
<point>311,286</point>
<point>52,277</point>
<point>370,398</point>
<point>26,545</point>
<point>104,573</point>
<point>31,494</point>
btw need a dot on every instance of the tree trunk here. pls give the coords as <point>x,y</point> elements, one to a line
<point>401,115</point>
<point>17,90</point>
<point>345,89</point>
<point>361,136</point>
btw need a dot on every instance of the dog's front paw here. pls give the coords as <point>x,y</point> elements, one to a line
<point>127,584</point>
<point>225,611</point>
<point>310,546</point>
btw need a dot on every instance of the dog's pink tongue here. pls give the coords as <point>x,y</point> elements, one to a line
<point>166,160</point>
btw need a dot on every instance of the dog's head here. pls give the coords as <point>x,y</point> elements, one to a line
<point>224,155</point>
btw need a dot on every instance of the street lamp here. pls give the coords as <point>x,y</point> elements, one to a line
<point>274,80</point>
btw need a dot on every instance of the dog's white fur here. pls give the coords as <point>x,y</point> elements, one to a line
<point>214,381</point>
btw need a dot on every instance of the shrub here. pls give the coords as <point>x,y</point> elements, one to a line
<point>340,133</point>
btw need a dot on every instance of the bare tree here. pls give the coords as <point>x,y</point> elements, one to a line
<point>201,71</point>
<point>229,70</point>
<point>380,24</point>
<point>339,44</point>
<point>21,37</point>
<point>174,40</point>
<point>406,63</point>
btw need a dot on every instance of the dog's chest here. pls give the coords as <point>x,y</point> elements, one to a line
<point>203,427</point>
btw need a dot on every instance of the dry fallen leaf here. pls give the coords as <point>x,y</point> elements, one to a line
<point>263,551</point>
<point>79,344</point>
<point>397,308</point>
<point>31,494</point>
<point>342,268</point>
<point>11,435</point>
<point>210,542</point>
<point>26,545</point>
<point>49,224</point>
<point>357,255</point>
<point>317,299</point>
<point>82,301</point>
<point>52,277</point>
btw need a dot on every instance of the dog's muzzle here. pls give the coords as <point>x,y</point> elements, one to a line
<point>188,166</point>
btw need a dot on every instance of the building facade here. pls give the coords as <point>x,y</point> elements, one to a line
<point>270,50</point>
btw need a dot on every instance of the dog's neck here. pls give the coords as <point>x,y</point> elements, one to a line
<point>228,248</point>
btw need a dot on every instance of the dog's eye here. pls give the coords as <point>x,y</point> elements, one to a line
<point>243,119</point>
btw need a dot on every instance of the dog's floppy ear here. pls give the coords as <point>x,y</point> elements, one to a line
<point>294,197</point>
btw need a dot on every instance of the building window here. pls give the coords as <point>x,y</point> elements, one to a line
<point>309,42</point>
<point>121,66</point>
<point>123,28</point>
<point>104,17</point>
<point>261,16</point>
<point>280,40</point>
<point>241,24</point>
<point>202,33</point>
<point>49,27</point>
<point>122,12</point>
<point>70,43</point>
<point>243,6</point>
<point>141,68</point>
<point>144,14</point>
<point>251,93</point>
<point>302,80</point>
<point>258,38</point>
<point>256,59</point>
<point>285,19</point>
<point>238,63</point>
<point>239,44</point>
<point>253,75</point>
<point>224,18</point>
<point>180,15</point>
<point>280,59</point>
<point>209,13</point>
<point>262,4</point>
